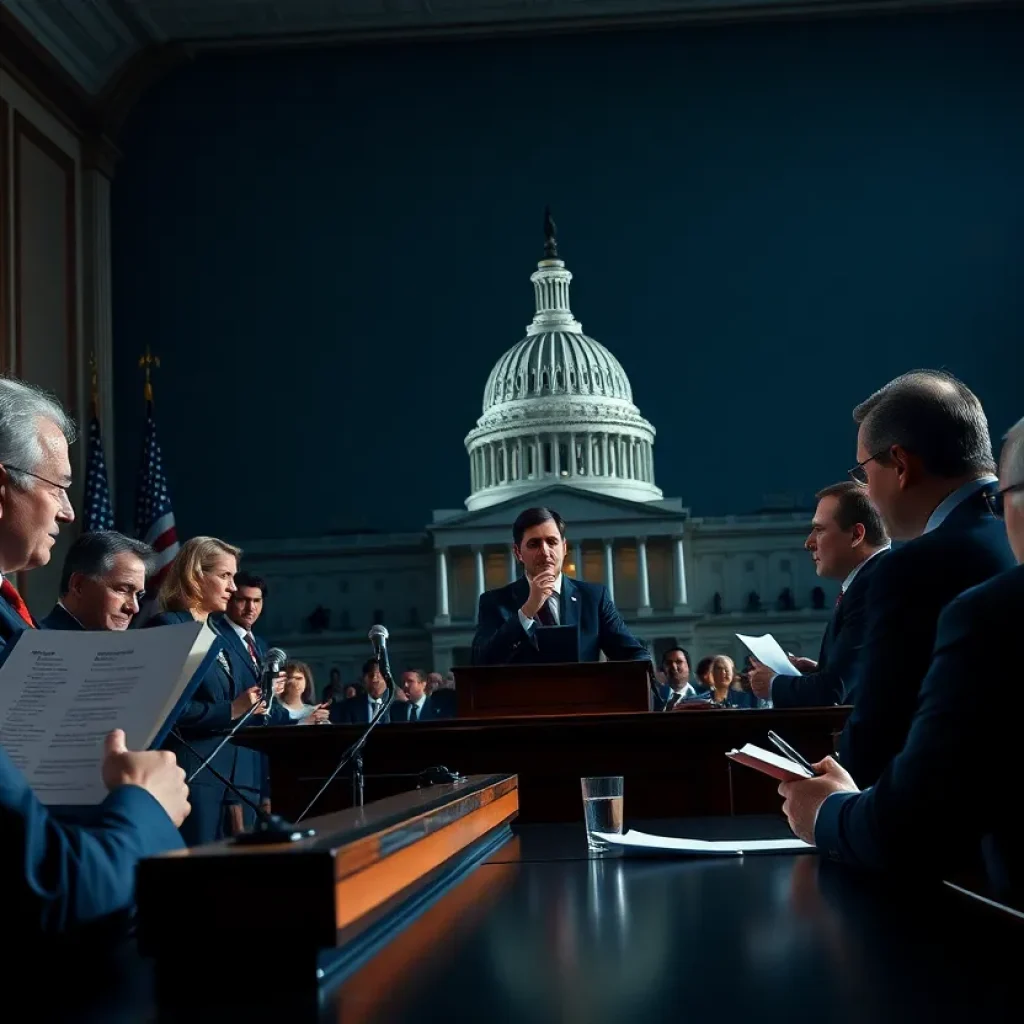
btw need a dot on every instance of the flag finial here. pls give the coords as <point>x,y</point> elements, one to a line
<point>147,363</point>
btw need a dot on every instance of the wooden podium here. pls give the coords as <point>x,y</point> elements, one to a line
<point>578,688</point>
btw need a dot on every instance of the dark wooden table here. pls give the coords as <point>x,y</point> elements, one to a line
<point>542,934</point>
<point>674,764</point>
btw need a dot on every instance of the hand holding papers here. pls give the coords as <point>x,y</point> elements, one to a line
<point>767,651</point>
<point>642,842</point>
<point>63,691</point>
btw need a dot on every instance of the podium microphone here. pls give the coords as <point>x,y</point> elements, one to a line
<point>379,638</point>
<point>272,663</point>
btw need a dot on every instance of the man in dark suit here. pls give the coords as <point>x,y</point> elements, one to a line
<point>675,663</point>
<point>418,707</point>
<point>847,542</point>
<point>59,876</point>
<point>924,453</point>
<point>358,710</point>
<point>102,582</point>
<point>508,618</point>
<point>947,803</point>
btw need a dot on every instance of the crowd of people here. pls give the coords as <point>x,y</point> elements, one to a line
<point>902,647</point>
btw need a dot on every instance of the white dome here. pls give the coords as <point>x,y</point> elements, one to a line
<point>558,408</point>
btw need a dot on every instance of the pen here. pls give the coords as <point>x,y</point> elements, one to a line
<point>786,749</point>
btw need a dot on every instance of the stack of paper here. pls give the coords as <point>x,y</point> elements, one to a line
<point>701,847</point>
<point>767,651</point>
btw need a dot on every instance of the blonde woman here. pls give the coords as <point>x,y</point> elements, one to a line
<point>723,672</point>
<point>299,695</point>
<point>198,585</point>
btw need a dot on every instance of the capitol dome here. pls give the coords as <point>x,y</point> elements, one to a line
<point>558,408</point>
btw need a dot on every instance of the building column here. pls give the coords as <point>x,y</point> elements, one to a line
<point>478,566</point>
<point>643,581</point>
<point>588,461</point>
<point>513,566</point>
<point>443,616</point>
<point>678,574</point>
<point>556,456</point>
<point>491,478</point>
<point>506,461</point>
<point>521,448</point>
<point>572,455</point>
<point>604,455</point>
<point>577,557</point>
<point>609,568</point>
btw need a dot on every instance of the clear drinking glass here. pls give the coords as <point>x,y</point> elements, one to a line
<point>602,809</point>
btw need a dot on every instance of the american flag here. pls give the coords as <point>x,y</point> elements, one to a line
<point>154,519</point>
<point>99,512</point>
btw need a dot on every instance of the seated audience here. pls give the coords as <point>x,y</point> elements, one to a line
<point>418,706</point>
<point>675,664</point>
<point>359,709</point>
<point>846,542</point>
<point>947,803</point>
<point>703,674</point>
<point>722,691</point>
<point>101,583</point>
<point>924,452</point>
<point>298,697</point>
<point>59,877</point>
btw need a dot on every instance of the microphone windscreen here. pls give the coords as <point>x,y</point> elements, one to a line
<point>275,654</point>
<point>378,632</point>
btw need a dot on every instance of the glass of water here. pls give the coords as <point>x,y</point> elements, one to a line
<point>602,809</point>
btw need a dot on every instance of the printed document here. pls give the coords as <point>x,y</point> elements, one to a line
<point>702,847</point>
<point>767,651</point>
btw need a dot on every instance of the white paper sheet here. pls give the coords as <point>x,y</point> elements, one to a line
<point>767,651</point>
<point>702,847</point>
<point>62,691</point>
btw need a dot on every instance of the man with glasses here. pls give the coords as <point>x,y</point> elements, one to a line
<point>61,877</point>
<point>925,456</point>
<point>947,805</point>
<point>102,581</point>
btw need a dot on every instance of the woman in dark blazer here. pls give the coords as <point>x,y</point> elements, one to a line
<point>198,585</point>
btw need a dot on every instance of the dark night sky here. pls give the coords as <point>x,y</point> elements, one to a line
<point>330,250</point>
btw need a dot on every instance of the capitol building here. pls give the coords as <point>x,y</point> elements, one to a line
<point>558,428</point>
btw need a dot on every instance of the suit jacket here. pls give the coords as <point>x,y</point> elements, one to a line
<point>431,711</point>
<point>11,624</point>
<point>841,645</point>
<point>60,877</point>
<point>500,637</point>
<point>356,711</point>
<point>948,800</point>
<point>60,618</point>
<point>907,593</point>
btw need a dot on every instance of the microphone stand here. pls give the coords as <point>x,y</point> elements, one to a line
<point>354,753</point>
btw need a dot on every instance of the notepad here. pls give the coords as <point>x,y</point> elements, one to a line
<point>775,765</point>
<point>641,841</point>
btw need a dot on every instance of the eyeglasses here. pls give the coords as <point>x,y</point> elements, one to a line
<point>996,500</point>
<point>61,488</point>
<point>859,475</point>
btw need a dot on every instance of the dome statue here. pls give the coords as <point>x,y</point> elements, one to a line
<point>558,408</point>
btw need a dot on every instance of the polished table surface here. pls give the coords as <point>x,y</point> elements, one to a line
<point>540,932</point>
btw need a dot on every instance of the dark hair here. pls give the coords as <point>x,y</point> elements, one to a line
<point>932,414</point>
<point>672,650</point>
<point>93,554</point>
<point>368,666</point>
<point>534,517</point>
<point>854,506</point>
<point>418,672</point>
<point>703,666</point>
<point>248,579</point>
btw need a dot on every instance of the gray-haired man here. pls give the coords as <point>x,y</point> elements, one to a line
<point>102,582</point>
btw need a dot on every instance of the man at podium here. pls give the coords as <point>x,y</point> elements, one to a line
<point>545,617</point>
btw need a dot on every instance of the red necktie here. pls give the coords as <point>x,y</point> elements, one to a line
<point>14,599</point>
<point>251,644</point>
<point>839,599</point>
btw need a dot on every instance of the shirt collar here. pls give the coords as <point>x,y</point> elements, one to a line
<point>419,703</point>
<point>72,614</point>
<point>958,497</point>
<point>240,630</point>
<point>857,568</point>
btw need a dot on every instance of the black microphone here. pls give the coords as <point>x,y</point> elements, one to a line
<point>379,638</point>
<point>272,662</point>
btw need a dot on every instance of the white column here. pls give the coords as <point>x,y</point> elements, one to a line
<point>443,616</point>
<point>478,565</point>
<point>96,302</point>
<point>609,568</point>
<point>505,461</point>
<point>491,477</point>
<point>577,557</point>
<point>556,456</point>
<point>513,566</point>
<point>678,574</point>
<point>572,455</point>
<point>604,455</point>
<point>522,458</point>
<point>643,581</point>
<point>589,460</point>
